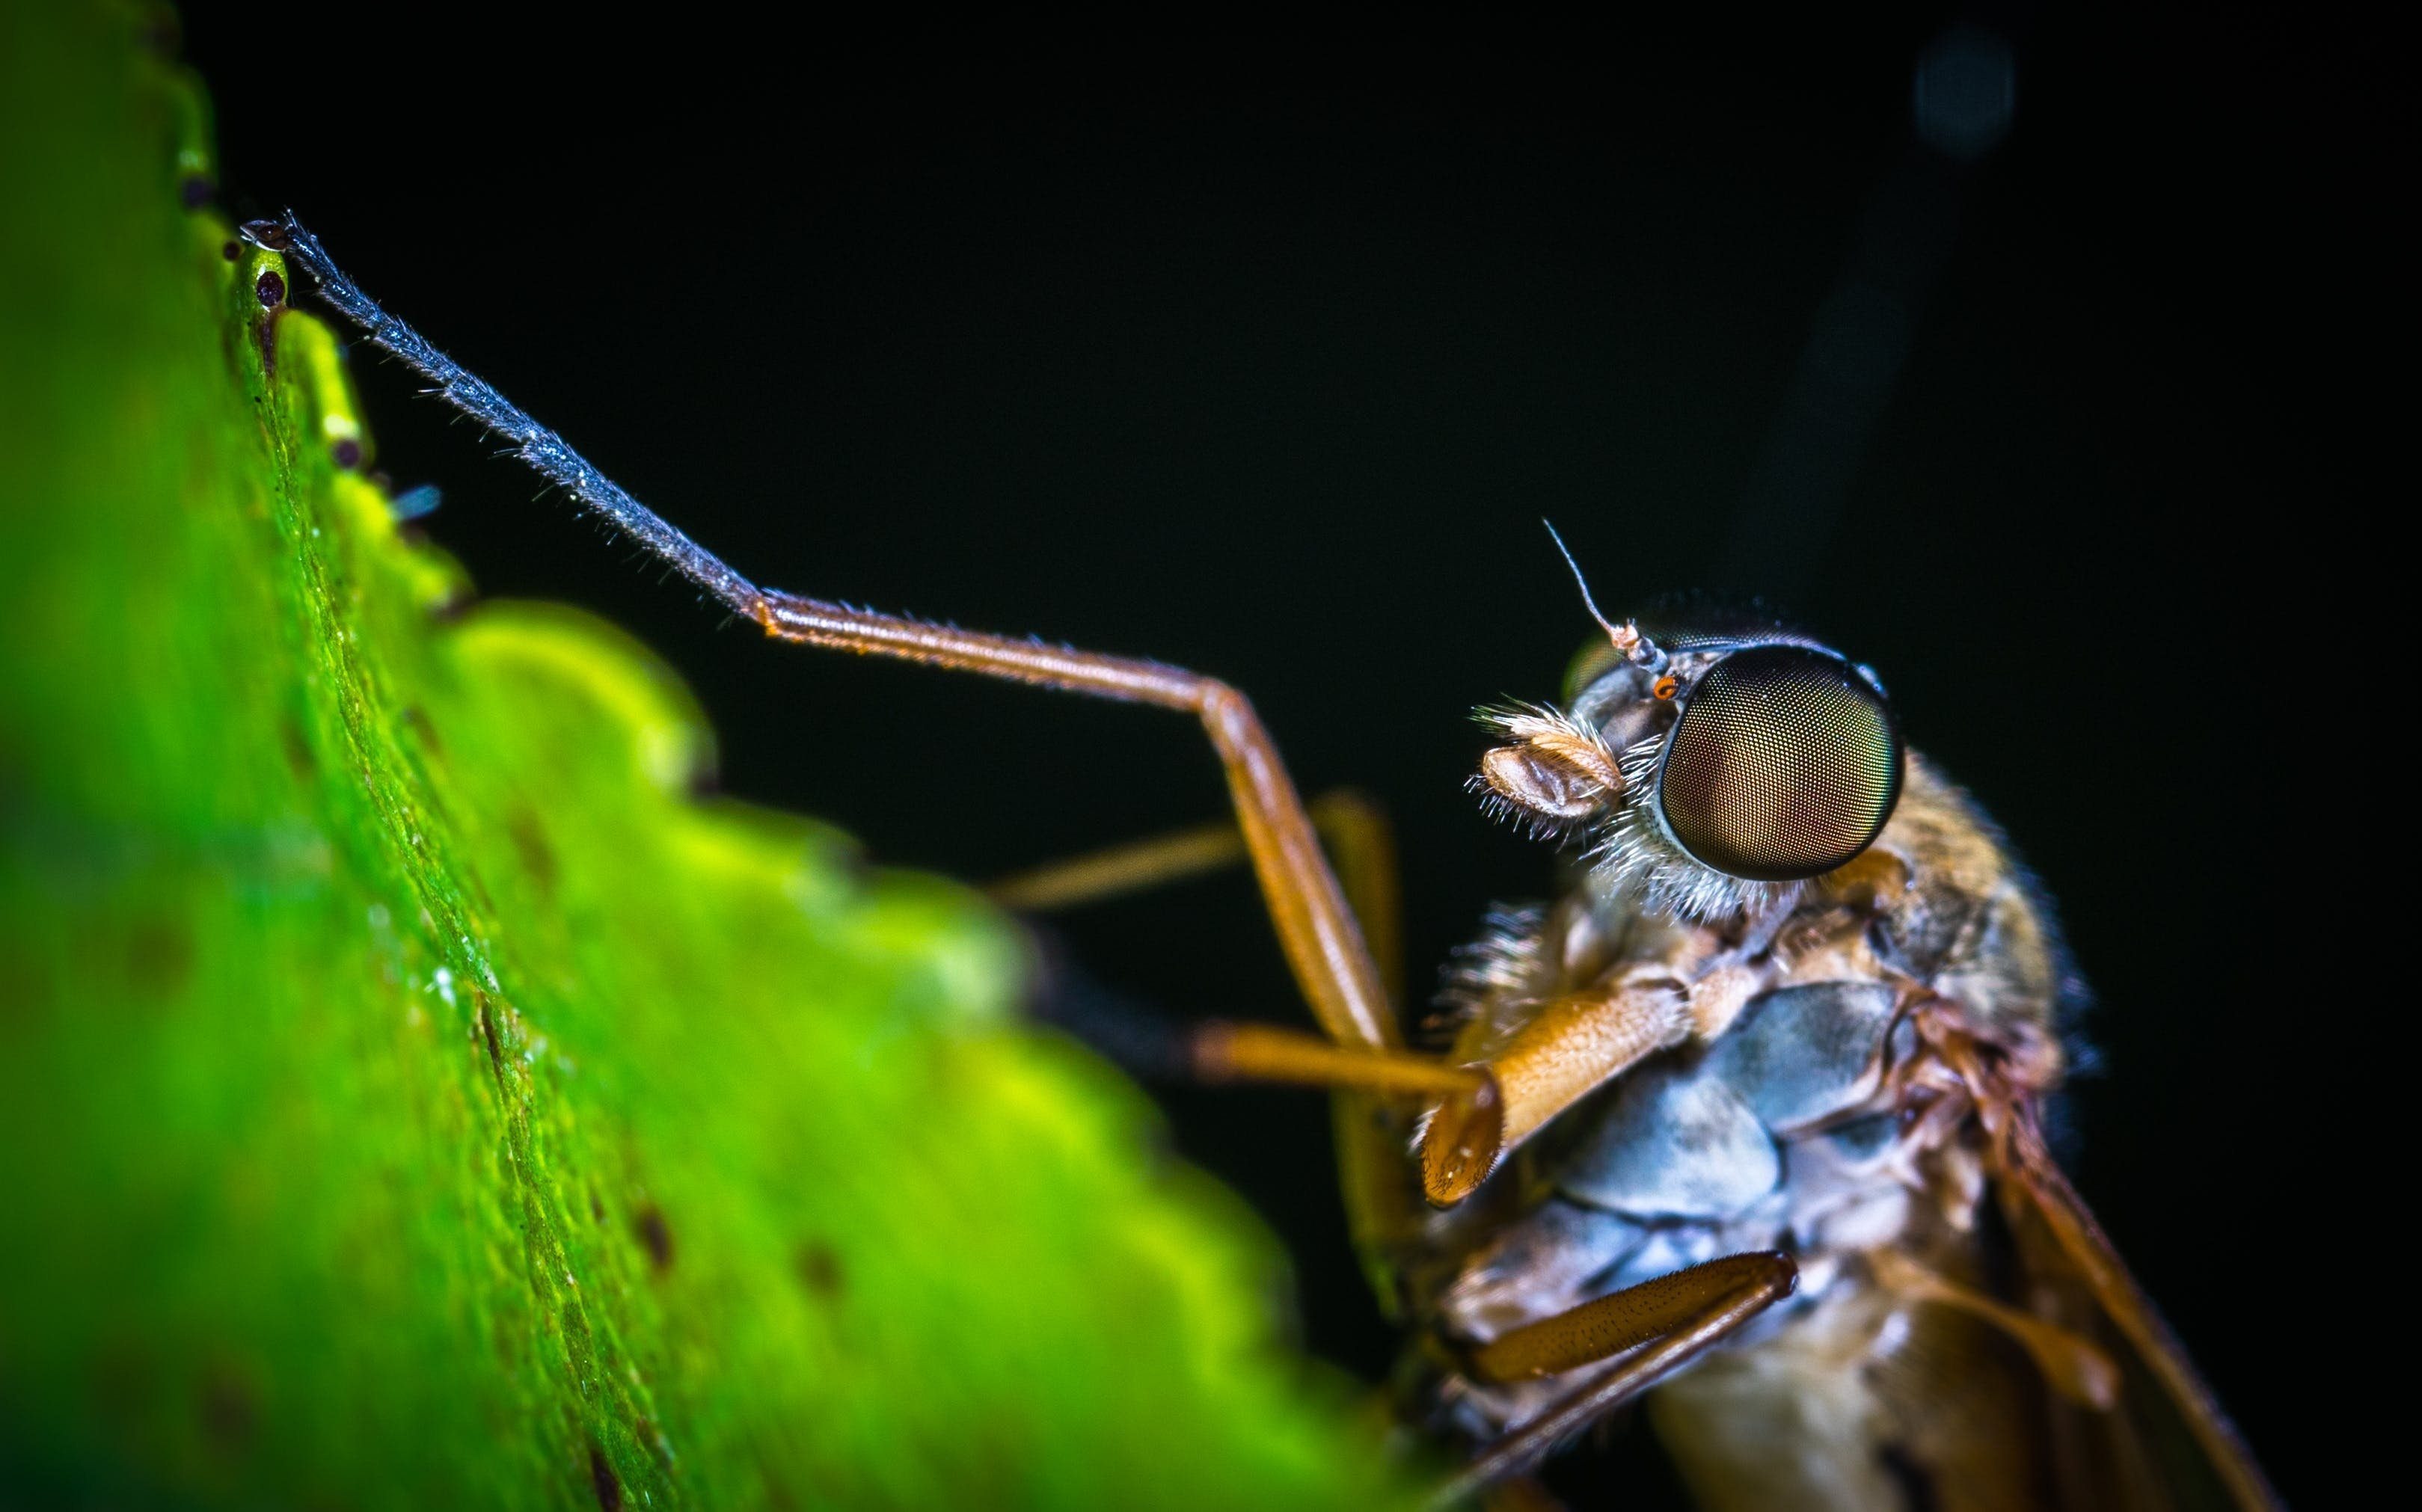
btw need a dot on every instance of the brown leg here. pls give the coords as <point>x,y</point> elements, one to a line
<point>1227,1051</point>
<point>1364,850</point>
<point>1119,870</point>
<point>1323,944</point>
<point>1575,1045</point>
<point>1379,1093</point>
<point>1646,1331</point>
<point>1384,1208</point>
<point>1350,825</point>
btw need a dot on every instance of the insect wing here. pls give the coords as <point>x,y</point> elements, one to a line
<point>2167,1444</point>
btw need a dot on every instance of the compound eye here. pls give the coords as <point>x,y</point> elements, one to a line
<point>1784,765</point>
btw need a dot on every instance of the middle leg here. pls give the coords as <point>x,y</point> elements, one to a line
<point>1373,1119</point>
<point>1353,828</point>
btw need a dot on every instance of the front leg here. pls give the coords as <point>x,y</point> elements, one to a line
<point>1323,944</point>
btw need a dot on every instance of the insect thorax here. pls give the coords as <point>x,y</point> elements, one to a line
<point>1796,1127</point>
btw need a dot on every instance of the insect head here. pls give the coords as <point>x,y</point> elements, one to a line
<point>1712,770</point>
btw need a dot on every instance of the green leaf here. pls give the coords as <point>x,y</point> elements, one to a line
<point>413,1095</point>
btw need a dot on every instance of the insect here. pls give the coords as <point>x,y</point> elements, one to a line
<point>1747,1122</point>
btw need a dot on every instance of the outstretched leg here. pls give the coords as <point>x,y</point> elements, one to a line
<point>1647,1331</point>
<point>1323,944</point>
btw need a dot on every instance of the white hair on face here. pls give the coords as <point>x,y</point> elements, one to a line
<point>1632,853</point>
<point>1629,849</point>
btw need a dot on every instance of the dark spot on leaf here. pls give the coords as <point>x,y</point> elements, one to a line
<point>416,721</point>
<point>529,842</point>
<point>347,454</point>
<point>228,1410</point>
<point>298,747</point>
<point>820,1269</point>
<point>483,1013</point>
<point>602,1477</point>
<point>596,1209</point>
<point>269,288</point>
<point>232,251</point>
<point>159,955</point>
<point>655,1235</point>
<point>195,191</point>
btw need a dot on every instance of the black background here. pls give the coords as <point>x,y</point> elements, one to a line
<point>1264,353</point>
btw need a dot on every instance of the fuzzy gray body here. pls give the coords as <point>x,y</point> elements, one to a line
<point>1787,1128</point>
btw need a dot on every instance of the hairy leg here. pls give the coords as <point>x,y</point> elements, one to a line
<point>1324,944</point>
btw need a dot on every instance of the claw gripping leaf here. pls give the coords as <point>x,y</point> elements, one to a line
<point>410,1094</point>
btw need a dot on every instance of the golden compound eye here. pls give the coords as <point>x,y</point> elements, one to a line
<point>1784,765</point>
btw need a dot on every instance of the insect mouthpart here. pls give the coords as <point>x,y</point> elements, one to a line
<point>1557,774</point>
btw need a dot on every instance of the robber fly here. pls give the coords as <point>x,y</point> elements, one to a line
<point>1747,1122</point>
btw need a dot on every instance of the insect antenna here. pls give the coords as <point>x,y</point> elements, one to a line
<point>1637,649</point>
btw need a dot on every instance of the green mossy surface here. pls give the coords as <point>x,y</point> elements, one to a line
<point>410,1094</point>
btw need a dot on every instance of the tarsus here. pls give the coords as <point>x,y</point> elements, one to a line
<point>542,448</point>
